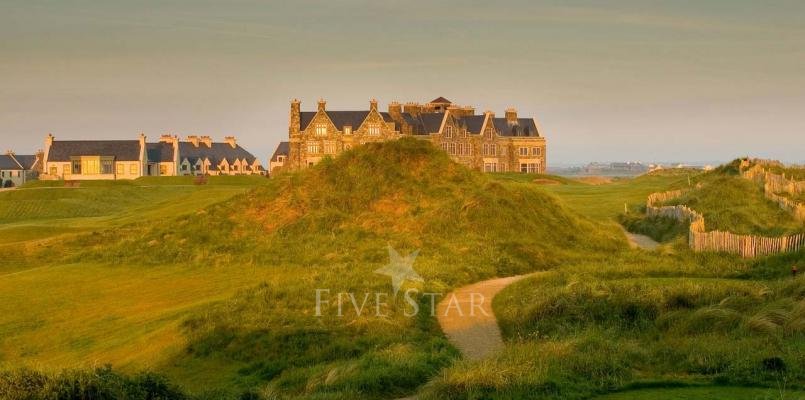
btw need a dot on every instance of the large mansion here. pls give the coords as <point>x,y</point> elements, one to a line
<point>480,141</point>
<point>130,159</point>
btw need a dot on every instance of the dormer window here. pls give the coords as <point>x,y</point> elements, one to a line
<point>280,158</point>
<point>347,130</point>
<point>448,132</point>
<point>488,133</point>
<point>321,129</point>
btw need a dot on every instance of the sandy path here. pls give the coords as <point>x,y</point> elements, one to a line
<point>466,317</point>
<point>640,241</point>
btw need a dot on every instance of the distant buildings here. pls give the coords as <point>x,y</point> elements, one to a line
<point>131,159</point>
<point>479,141</point>
<point>16,169</point>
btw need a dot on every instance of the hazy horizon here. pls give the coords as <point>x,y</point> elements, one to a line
<point>687,81</point>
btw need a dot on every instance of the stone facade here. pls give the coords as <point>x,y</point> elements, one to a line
<point>479,141</point>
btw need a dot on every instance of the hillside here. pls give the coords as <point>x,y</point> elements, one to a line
<point>731,203</point>
<point>243,318</point>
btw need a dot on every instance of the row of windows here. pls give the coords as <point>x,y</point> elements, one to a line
<point>529,168</point>
<point>535,151</point>
<point>321,130</point>
<point>10,174</point>
<point>457,149</point>
<point>494,167</point>
<point>449,131</point>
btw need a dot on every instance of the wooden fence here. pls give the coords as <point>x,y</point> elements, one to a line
<point>773,184</point>
<point>700,240</point>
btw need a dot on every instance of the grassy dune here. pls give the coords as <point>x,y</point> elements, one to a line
<point>214,287</point>
<point>665,319</point>
<point>221,298</point>
<point>731,203</point>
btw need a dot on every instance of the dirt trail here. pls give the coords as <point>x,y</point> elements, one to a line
<point>640,241</point>
<point>466,317</point>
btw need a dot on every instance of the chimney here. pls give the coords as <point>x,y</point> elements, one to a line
<point>322,103</point>
<point>395,110</point>
<point>412,108</point>
<point>206,140</point>
<point>10,153</point>
<point>230,140</point>
<point>373,105</point>
<point>295,121</point>
<point>142,140</point>
<point>46,153</point>
<point>193,139</point>
<point>511,115</point>
<point>166,138</point>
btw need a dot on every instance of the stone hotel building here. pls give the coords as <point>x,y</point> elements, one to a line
<point>480,141</point>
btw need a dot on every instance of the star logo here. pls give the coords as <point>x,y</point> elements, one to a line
<point>400,269</point>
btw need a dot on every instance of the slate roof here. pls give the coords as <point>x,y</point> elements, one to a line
<point>8,163</point>
<point>441,99</point>
<point>27,161</point>
<point>424,124</point>
<point>216,153</point>
<point>283,149</point>
<point>524,127</point>
<point>474,123</point>
<point>159,152</point>
<point>121,150</point>
<point>340,118</point>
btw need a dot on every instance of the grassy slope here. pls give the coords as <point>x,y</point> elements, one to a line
<point>731,203</point>
<point>115,295</point>
<point>703,393</point>
<point>37,219</point>
<point>594,326</point>
<point>606,202</point>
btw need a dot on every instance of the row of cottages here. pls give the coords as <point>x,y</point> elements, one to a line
<point>480,141</point>
<point>131,159</point>
<point>16,169</point>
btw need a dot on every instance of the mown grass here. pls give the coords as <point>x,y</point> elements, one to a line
<point>606,202</point>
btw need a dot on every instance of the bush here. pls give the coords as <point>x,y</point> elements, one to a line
<point>98,384</point>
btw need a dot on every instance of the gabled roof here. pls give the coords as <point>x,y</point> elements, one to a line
<point>441,100</point>
<point>474,123</point>
<point>9,163</point>
<point>159,152</point>
<point>216,153</point>
<point>340,118</point>
<point>283,149</point>
<point>424,124</point>
<point>522,127</point>
<point>27,161</point>
<point>121,150</point>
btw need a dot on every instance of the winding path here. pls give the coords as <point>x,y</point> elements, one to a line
<point>466,317</point>
<point>640,241</point>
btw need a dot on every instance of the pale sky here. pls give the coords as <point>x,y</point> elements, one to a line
<point>628,80</point>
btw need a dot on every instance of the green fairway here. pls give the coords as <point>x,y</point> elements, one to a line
<point>605,202</point>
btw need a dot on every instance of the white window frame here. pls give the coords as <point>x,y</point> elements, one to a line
<point>374,129</point>
<point>321,129</point>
